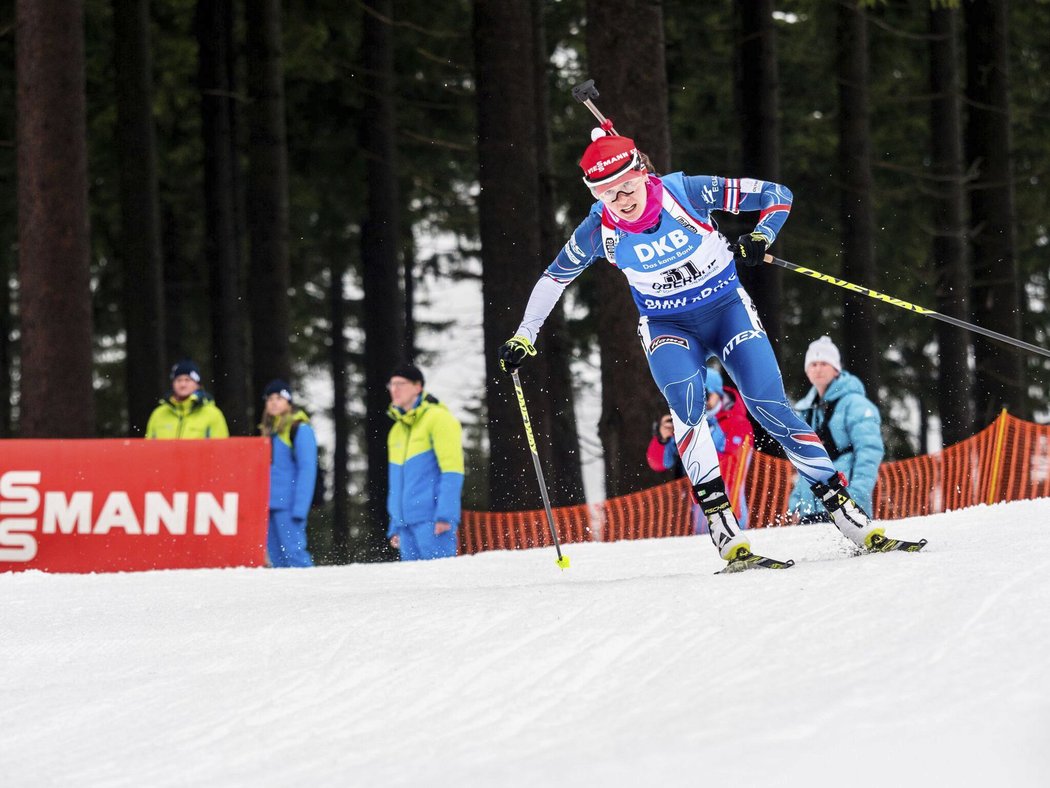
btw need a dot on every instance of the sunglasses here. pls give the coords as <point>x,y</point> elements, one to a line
<point>628,187</point>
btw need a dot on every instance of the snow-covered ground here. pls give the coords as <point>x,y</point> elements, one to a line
<point>637,666</point>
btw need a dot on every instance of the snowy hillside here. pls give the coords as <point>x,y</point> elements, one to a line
<point>638,666</point>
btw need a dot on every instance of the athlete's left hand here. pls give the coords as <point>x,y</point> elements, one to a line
<point>750,249</point>
<point>514,351</point>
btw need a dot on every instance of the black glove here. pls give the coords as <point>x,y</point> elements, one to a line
<point>749,249</point>
<point>513,352</point>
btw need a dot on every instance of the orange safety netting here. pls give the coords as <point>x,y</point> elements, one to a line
<point>1007,461</point>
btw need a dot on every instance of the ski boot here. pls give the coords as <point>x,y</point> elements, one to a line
<point>725,531</point>
<point>854,522</point>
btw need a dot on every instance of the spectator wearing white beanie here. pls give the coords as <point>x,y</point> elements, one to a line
<point>823,364</point>
<point>824,349</point>
<point>846,421</point>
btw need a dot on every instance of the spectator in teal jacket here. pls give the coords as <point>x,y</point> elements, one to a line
<point>293,474</point>
<point>425,450</point>
<point>846,421</point>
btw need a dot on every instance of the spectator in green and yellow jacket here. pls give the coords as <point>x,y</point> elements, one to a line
<point>425,449</point>
<point>189,411</point>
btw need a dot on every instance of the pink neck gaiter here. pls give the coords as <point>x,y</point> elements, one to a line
<point>654,199</point>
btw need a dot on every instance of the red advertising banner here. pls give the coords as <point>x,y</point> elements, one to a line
<point>133,505</point>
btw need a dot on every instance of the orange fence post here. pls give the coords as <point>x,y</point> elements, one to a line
<point>997,457</point>
<point>741,469</point>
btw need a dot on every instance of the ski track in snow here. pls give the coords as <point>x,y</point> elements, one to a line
<point>637,666</point>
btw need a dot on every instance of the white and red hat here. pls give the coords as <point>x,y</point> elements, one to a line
<point>608,158</point>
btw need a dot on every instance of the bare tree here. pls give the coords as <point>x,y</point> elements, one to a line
<point>6,349</point>
<point>339,360</point>
<point>509,214</point>
<point>757,87</point>
<point>634,94</point>
<point>269,277</point>
<point>140,247</point>
<point>223,249</point>
<point>55,298</point>
<point>567,479</point>
<point>380,235</point>
<point>996,294</point>
<point>8,239</point>
<point>857,208</point>
<point>955,383</point>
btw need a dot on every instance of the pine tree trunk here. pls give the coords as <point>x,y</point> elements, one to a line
<point>140,254</point>
<point>339,360</point>
<point>510,219</point>
<point>6,349</point>
<point>178,283</point>
<point>8,243</point>
<point>408,265</point>
<point>859,319</point>
<point>380,236</point>
<point>269,278</point>
<point>955,383</point>
<point>757,86</point>
<point>214,27</point>
<point>634,93</point>
<point>566,484</point>
<point>996,294</point>
<point>56,395</point>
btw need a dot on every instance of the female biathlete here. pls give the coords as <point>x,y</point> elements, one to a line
<point>683,276</point>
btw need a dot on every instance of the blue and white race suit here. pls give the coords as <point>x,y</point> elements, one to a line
<point>684,281</point>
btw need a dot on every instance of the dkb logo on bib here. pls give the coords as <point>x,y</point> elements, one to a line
<point>665,244</point>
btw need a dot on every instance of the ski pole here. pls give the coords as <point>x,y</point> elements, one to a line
<point>585,93</point>
<point>801,269</point>
<point>563,560</point>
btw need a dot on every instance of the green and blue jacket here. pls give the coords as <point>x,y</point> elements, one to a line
<point>293,465</point>
<point>425,452</point>
<point>197,416</point>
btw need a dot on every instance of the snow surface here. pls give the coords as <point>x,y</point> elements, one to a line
<point>637,666</point>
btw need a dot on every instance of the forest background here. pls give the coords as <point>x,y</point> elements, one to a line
<point>287,189</point>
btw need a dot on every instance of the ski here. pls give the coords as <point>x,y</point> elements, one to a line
<point>752,561</point>
<point>884,544</point>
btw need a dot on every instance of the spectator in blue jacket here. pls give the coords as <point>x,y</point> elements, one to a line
<point>846,421</point>
<point>293,474</point>
<point>425,450</point>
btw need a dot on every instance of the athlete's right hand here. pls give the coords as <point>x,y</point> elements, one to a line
<point>513,352</point>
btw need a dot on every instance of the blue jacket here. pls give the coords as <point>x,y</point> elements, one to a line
<point>855,423</point>
<point>293,468</point>
<point>425,452</point>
